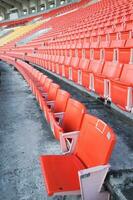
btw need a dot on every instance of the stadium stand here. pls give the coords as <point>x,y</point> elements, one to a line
<point>91,46</point>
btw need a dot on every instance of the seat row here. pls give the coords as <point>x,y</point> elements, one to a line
<point>107,72</point>
<point>110,78</point>
<point>86,141</point>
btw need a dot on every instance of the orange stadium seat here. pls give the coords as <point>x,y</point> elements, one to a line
<point>68,121</point>
<point>122,88</point>
<point>67,174</point>
<point>58,105</point>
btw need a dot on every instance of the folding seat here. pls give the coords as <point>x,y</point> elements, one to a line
<point>83,66</point>
<point>73,47</point>
<point>65,67</point>
<point>45,88</point>
<point>109,29</point>
<point>73,68</point>
<point>51,62</point>
<point>86,48</point>
<point>79,46</point>
<point>57,57</point>
<point>117,43</point>
<point>124,35</point>
<point>95,67</point>
<point>124,55</point>
<point>104,44</point>
<point>68,121</point>
<point>129,43</point>
<point>50,97</point>
<point>94,54</point>
<point>58,105</point>
<point>83,169</point>
<point>122,88</point>
<point>119,27</point>
<point>129,25</point>
<point>112,36</point>
<point>46,61</point>
<point>111,70</point>
<point>61,62</point>
<point>94,42</point>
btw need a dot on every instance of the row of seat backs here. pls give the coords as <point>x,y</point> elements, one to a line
<point>96,139</point>
<point>122,55</point>
<point>108,69</point>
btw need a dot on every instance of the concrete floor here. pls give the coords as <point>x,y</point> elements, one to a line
<point>24,135</point>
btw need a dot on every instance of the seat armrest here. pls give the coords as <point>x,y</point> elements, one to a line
<point>44,94</point>
<point>68,147</point>
<point>59,115</point>
<point>50,104</point>
<point>91,181</point>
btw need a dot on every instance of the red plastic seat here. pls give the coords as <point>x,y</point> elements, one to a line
<point>51,95</point>
<point>129,43</point>
<point>62,173</point>
<point>111,70</point>
<point>65,67</point>
<point>83,66</point>
<point>61,62</point>
<point>122,88</point>
<point>95,67</point>
<point>117,43</point>
<point>73,69</point>
<point>59,105</point>
<point>68,121</point>
<point>45,88</point>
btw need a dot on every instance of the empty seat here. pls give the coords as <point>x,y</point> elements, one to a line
<point>65,67</point>
<point>58,105</point>
<point>51,95</point>
<point>95,67</point>
<point>111,70</point>
<point>117,43</point>
<point>43,91</point>
<point>84,170</point>
<point>73,75</point>
<point>68,121</point>
<point>122,88</point>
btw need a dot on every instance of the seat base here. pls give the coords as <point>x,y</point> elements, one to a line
<point>61,173</point>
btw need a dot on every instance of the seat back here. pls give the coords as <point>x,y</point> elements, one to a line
<point>73,115</point>
<point>112,69</point>
<point>61,60</point>
<point>43,78</point>
<point>67,60</point>
<point>96,66</point>
<point>61,101</point>
<point>84,63</point>
<point>47,83</point>
<point>117,43</point>
<point>124,55</point>
<point>127,74</point>
<point>52,91</point>
<point>75,62</point>
<point>95,143</point>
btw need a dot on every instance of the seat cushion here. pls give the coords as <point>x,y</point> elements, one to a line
<point>61,172</point>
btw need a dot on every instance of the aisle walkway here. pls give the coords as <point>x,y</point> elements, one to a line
<point>24,135</point>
